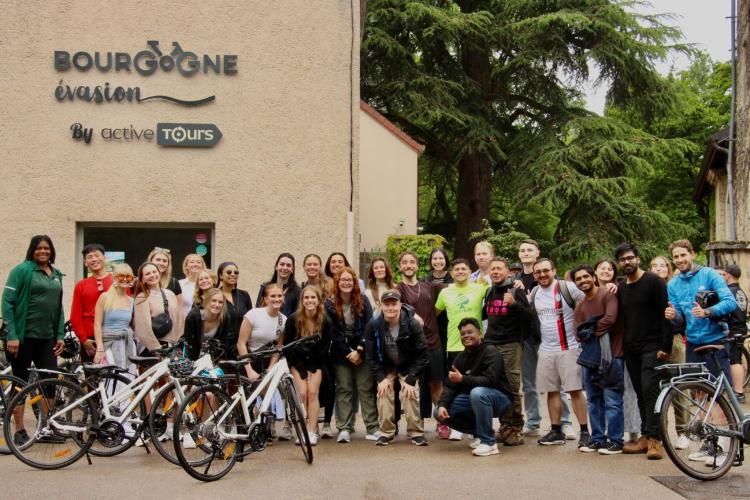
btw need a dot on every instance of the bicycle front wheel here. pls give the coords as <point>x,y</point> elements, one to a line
<point>295,415</point>
<point>9,387</point>
<point>46,443</point>
<point>707,455</point>
<point>204,416</point>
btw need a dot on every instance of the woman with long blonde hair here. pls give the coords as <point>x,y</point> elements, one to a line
<point>112,317</point>
<point>306,363</point>
<point>191,266</point>
<point>209,320</point>
<point>162,257</point>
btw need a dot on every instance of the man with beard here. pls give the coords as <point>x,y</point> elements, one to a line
<point>422,296</point>
<point>508,315</point>
<point>604,403</point>
<point>642,300</point>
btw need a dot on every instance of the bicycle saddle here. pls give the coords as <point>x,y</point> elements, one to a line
<point>234,363</point>
<point>143,360</point>
<point>709,348</point>
<point>94,368</point>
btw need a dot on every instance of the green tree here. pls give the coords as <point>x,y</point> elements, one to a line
<point>478,80</point>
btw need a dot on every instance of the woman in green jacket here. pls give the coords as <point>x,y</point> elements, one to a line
<point>33,314</point>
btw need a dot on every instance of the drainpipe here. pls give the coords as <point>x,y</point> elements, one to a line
<point>731,233</point>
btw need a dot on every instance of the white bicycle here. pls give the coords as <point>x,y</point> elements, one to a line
<point>222,425</point>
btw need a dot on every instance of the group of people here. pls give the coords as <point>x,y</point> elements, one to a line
<point>464,347</point>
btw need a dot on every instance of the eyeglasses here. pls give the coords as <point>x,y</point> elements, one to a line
<point>162,250</point>
<point>542,271</point>
<point>627,258</point>
<point>346,280</point>
<point>236,273</point>
<point>125,278</point>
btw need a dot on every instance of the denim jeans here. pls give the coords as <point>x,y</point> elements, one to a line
<point>473,413</point>
<point>531,403</point>
<point>606,416</point>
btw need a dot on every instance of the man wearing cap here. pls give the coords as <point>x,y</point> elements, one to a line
<point>395,349</point>
<point>737,325</point>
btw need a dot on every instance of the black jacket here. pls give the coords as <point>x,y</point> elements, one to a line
<point>412,348</point>
<point>737,319</point>
<point>194,332</point>
<point>341,346</point>
<point>310,357</point>
<point>482,367</point>
<point>506,323</point>
<point>236,311</point>
<point>292,293</point>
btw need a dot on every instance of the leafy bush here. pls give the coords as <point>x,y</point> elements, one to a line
<point>504,240</point>
<point>420,244</point>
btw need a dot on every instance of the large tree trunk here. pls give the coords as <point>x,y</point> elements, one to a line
<point>473,200</point>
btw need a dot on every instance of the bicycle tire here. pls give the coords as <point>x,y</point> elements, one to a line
<point>163,408</point>
<point>694,397</point>
<point>117,382</point>
<point>745,361</point>
<point>197,416</point>
<point>9,386</point>
<point>295,414</point>
<point>47,449</point>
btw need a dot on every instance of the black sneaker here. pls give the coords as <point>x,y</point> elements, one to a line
<point>383,441</point>
<point>740,396</point>
<point>584,439</point>
<point>419,441</point>
<point>20,437</point>
<point>51,438</point>
<point>552,437</point>
<point>591,447</point>
<point>611,449</point>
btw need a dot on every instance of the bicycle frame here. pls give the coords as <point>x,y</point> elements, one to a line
<point>270,383</point>
<point>142,384</point>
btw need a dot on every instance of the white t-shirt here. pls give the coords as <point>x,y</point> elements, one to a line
<point>553,338</point>
<point>188,292</point>
<point>265,327</point>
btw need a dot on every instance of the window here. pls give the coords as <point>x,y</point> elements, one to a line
<point>131,243</point>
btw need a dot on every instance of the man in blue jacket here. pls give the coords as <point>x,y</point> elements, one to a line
<point>702,324</point>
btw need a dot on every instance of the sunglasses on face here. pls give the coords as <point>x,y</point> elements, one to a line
<point>542,271</point>
<point>125,278</point>
<point>229,273</point>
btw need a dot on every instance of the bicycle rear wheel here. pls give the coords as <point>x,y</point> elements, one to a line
<point>203,415</point>
<point>745,361</point>
<point>9,387</point>
<point>295,415</point>
<point>45,446</point>
<point>707,456</point>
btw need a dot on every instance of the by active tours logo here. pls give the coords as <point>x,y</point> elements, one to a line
<point>181,135</point>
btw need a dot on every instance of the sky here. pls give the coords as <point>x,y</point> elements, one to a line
<point>704,23</point>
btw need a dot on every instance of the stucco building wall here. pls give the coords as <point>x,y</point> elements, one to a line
<point>277,181</point>
<point>388,180</point>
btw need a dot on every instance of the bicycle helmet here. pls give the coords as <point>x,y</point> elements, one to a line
<point>72,346</point>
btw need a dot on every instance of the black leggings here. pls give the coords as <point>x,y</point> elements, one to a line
<point>38,351</point>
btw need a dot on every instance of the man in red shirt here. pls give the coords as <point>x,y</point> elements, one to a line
<point>85,296</point>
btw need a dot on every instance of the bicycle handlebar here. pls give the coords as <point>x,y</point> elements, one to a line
<point>279,350</point>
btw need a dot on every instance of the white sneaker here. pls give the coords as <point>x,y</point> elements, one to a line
<point>700,455</point>
<point>530,431</point>
<point>720,459</point>
<point>373,437</point>
<point>455,435</point>
<point>344,437</point>
<point>187,441</point>
<point>484,450</point>
<point>682,442</point>
<point>570,434</point>
<point>313,439</point>
<point>326,431</point>
<point>167,436</point>
<point>474,443</point>
<point>286,433</point>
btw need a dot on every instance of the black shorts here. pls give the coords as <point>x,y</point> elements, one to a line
<point>735,354</point>
<point>435,369</point>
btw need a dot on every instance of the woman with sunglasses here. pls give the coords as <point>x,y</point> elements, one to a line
<point>283,275</point>
<point>238,303</point>
<point>112,316</point>
<point>149,303</point>
<point>162,257</point>
<point>191,266</point>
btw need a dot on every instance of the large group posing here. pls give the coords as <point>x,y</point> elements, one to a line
<point>460,346</point>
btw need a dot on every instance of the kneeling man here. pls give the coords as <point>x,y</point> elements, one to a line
<point>477,390</point>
